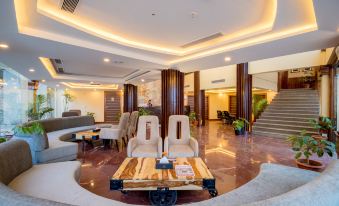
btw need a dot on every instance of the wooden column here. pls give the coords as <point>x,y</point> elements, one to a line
<point>130,98</point>
<point>172,96</point>
<point>332,81</point>
<point>244,93</point>
<point>199,99</point>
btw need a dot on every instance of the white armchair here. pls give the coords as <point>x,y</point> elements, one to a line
<point>116,132</point>
<point>185,146</point>
<point>132,125</point>
<point>140,146</point>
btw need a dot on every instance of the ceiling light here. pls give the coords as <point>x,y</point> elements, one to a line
<point>227,59</point>
<point>107,60</point>
<point>91,82</point>
<point>4,46</point>
<point>142,80</point>
<point>31,70</point>
<point>58,85</point>
<point>43,80</point>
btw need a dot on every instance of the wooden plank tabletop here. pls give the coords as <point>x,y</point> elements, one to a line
<point>140,174</point>
<point>88,135</point>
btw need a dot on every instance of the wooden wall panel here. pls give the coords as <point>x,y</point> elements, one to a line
<point>130,98</point>
<point>172,96</point>
<point>112,108</point>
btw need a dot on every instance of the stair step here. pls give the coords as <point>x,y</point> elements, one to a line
<point>293,111</point>
<point>295,104</point>
<point>285,126</point>
<point>301,119</point>
<point>270,134</point>
<point>278,121</point>
<point>279,114</point>
<point>280,130</point>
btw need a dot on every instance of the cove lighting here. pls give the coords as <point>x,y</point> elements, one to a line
<point>142,80</point>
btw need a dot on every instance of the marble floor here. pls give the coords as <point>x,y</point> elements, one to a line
<point>233,160</point>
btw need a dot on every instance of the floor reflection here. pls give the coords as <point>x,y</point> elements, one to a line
<point>233,160</point>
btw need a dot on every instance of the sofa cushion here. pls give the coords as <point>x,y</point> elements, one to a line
<point>58,182</point>
<point>146,150</point>
<point>10,197</point>
<point>57,150</point>
<point>180,151</point>
<point>15,158</point>
<point>38,142</point>
<point>273,180</point>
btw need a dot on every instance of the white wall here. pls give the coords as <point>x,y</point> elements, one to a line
<point>189,82</point>
<point>266,81</point>
<point>217,102</point>
<point>300,60</point>
<point>89,101</point>
<point>228,73</point>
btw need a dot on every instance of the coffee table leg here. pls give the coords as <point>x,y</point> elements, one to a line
<point>163,197</point>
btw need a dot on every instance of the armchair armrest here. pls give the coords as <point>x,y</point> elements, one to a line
<point>159,147</point>
<point>109,133</point>
<point>166,145</point>
<point>132,143</point>
<point>194,145</point>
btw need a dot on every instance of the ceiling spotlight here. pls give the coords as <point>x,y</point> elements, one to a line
<point>91,82</point>
<point>107,60</point>
<point>43,80</point>
<point>31,70</point>
<point>58,85</point>
<point>4,46</point>
<point>142,80</point>
<point>227,59</point>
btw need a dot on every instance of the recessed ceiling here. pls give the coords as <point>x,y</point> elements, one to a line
<point>149,43</point>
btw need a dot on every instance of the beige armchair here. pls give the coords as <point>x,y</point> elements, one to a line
<point>116,132</point>
<point>185,146</point>
<point>132,125</point>
<point>140,146</point>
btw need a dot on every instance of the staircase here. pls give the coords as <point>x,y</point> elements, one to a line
<point>288,113</point>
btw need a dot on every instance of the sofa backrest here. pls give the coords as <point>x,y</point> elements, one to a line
<point>15,158</point>
<point>54,124</point>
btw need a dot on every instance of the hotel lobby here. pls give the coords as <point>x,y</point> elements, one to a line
<point>169,102</point>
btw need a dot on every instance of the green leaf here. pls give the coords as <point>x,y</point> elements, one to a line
<point>297,155</point>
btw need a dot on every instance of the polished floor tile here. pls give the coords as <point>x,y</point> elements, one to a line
<point>233,160</point>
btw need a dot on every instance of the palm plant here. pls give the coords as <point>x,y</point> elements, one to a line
<point>68,98</point>
<point>258,105</point>
<point>40,109</point>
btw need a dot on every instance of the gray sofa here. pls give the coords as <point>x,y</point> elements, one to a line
<point>59,131</point>
<point>22,183</point>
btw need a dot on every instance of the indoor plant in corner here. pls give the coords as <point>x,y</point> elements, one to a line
<point>304,145</point>
<point>323,125</point>
<point>239,126</point>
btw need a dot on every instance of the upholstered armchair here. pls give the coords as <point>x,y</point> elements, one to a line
<point>140,146</point>
<point>183,146</point>
<point>132,125</point>
<point>116,132</point>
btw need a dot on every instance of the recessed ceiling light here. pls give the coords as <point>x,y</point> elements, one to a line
<point>4,46</point>
<point>58,85</point>
<point>118,62</point>
<point>142,80</point>
<point>107,60</point>
<point>31,70</point>
<point>227,59</point>
<point>91,82</point>
<point>43,80</point>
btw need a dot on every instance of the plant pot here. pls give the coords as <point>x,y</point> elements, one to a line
<point>239,132</point>
<point>314,165</point>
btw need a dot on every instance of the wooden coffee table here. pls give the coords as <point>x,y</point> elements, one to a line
<point>140,174</point>
<point>86,136</point>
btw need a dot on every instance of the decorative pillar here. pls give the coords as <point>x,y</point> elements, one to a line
<point>130,98</point>
<point>244,94</point>
<point>332,88</point>
<point>324,92</point>
<point>172,96</point>
<point>199,100</point>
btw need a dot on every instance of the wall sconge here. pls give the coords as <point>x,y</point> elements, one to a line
<point>112,99</point>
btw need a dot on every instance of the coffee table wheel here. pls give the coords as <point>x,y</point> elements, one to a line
<point>124,192</point>
<point>163,197</point>
<point>213,192</point>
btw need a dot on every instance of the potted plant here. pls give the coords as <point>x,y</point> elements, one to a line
<point>193,118</point>
<point>143,112</point>
<point>258,105</point>
<point>2,139</point>
<point>239,126</point>
<point>304,145</point>
<point>323,125</point>
<point>68,99</point>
